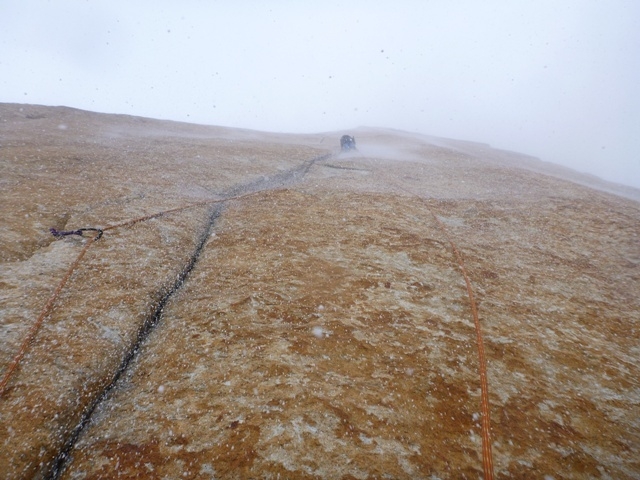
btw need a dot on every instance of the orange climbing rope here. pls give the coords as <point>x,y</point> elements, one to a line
<point>487,457</point>
<point>486,435</point>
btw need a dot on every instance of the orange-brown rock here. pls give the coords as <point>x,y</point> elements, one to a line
<point>305,315</point>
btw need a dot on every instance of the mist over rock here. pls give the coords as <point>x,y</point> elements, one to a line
<point>263,305</point>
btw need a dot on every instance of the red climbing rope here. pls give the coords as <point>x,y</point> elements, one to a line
<point>99,232</point>
<point>31,334</point>
<point>486,423</point>
<point>45,311</point>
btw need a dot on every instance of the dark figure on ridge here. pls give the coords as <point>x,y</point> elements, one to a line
<point>347,142</point>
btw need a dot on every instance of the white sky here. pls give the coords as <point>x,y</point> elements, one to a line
<point>557,79</point>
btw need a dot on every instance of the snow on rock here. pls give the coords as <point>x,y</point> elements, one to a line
<point>325,328</point>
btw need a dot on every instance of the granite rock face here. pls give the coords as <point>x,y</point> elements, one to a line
<point>298,312</point>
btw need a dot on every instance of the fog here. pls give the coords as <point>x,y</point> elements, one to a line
<point>553,79</point>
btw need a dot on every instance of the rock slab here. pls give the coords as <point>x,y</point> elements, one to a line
<point>299,312</point>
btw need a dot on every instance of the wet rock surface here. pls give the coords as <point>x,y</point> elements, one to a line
<point>323,328</point>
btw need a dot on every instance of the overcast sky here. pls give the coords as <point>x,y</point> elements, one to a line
<point>557,79</point>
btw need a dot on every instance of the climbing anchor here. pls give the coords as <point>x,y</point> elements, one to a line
<point>80,231</point>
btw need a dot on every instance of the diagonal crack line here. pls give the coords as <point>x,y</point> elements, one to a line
<point>61,460</point>
<point>288,177</point>
<point>279,180</point>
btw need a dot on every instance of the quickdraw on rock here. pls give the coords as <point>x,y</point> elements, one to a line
<point>80,231</point>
